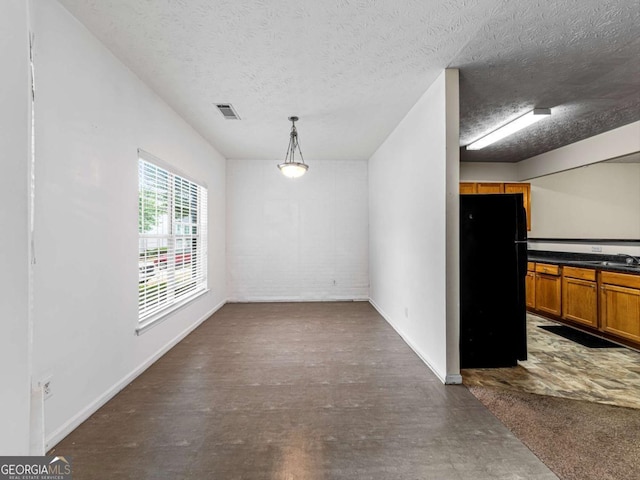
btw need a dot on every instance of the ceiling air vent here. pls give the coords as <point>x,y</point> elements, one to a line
<point>227,111</point>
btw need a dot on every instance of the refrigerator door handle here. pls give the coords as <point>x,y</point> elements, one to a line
<point>522,259</point>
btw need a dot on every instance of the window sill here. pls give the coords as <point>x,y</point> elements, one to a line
<point>161,316</point>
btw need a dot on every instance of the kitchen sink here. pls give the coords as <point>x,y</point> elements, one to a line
<point>614,264</point>
<point>607,263</point>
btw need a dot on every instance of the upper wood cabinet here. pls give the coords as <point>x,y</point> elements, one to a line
<point>493,187</point>
<point>525,190</point>
<point>490,188</point>
<point>468,187</point>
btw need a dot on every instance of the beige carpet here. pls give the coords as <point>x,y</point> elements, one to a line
<point>578,440</point>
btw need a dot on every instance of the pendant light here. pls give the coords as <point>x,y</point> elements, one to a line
<point>290,167</point>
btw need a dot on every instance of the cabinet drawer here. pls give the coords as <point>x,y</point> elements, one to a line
<point>621,279</point>
<point>531,266</point>
<point>547,268</point>
<point>581,273</point>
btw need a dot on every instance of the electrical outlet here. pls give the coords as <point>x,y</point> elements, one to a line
<point>406,312</point>
<point>596,249</point>
<point>46,386</point>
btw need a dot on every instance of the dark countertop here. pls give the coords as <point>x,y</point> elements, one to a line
<point>584,260</point>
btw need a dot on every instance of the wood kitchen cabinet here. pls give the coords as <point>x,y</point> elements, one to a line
<point>530,285</point>
<point>601,302</point>
<point>525,190</point>
<point>497,188</point>
<point>620,305</point>
<point>548,289</point>
<point>490,187</point>
<point>580,296</point>
<point>468,187</point>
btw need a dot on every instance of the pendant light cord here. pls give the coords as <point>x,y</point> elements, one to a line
<point>293,144</point>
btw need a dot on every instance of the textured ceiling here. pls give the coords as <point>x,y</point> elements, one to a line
<point>351,69</point>
<point>580,58</point>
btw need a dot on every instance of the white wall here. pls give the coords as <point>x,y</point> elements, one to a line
<point>14,254</point>
<point>488,172</point>
<point>411,195</point>
<point>609,248</point>
<point>92,114</point>
<point>297,239</point>
<point>596,201</point>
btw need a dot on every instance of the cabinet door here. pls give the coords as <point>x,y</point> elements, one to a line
<point>525,190</point>
<point>530,287</point>
<point>468,187</point>
<point>490,187</point>
<point>548,288</point>
<point>580,301</point>
<point>620,311</point>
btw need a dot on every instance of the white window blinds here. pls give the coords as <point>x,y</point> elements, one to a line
<point>172,228</point>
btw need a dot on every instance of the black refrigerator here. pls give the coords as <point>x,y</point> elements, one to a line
<point>493,267</point>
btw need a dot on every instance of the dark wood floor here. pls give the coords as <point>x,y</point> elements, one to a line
<point>295,391</point>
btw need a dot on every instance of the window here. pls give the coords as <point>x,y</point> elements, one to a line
<point>172,228</point>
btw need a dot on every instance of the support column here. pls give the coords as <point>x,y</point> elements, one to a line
<point>453,224</point>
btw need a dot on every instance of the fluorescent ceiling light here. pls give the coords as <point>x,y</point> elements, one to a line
<point>512,127</point>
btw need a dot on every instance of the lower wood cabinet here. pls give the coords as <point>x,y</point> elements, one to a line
<point>548,287</point>
<point>580,296</point>
<point>530,287</point>
<point>603,302</point>
<point>620,305</point>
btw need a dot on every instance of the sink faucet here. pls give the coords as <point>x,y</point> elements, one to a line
<point>630,259</point>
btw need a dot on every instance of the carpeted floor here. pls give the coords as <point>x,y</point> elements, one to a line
<point>576,439</point>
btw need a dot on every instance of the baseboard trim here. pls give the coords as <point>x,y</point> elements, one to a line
<point>416,350</point>
<point>296,300</point>
<point>453,379</point>
<point>55,438</point>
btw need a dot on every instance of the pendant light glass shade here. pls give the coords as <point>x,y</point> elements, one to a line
<point>293,169</point>
<point>290,167</point>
